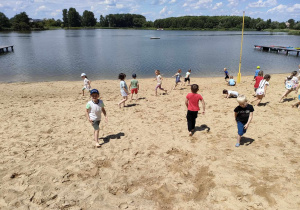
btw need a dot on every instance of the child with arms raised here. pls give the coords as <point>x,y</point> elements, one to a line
<point>192,103</point>
<point>243,115</point>
<point>94,108</point>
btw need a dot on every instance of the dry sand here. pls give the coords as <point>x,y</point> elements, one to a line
<point>147,161</point>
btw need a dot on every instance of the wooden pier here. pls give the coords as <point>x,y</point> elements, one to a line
<point>3,48</point>
<point>278,49</point>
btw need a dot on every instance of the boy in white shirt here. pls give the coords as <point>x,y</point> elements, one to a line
<point>187,77</point>
<point>94,108</point>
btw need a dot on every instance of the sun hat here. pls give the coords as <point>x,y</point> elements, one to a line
<point>83,74</point>
<point>133,75</point>
<point>94,91</point>
<point>258,67</point>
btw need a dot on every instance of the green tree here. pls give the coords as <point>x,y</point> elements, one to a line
<point>297,26</point>
<point>269,21</point>
<point>88,19</point>
<point>65,18</point>
<point>74,18</point>
<point>261,25</point>
<point>4,21</point>
<point>20,22</point>
<point>292,23</point>
<point>103,21</point>
<point>282,25</point>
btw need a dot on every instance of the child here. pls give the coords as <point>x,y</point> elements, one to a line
<point>86,83</point>
<point>159,82</point>
<point>192,103</point>
<point>187,77</point>
<point>256,71</point>
<point>123,88</point>
<point>177,80</point>
<point>134,86</point>
<point>291,83</point>
<point>226,74</point>
<point>257,79</point>
<point>262,89</point>
<point>230,93</point>
<point>298,103</point>
<point>93,113</point>
<point>231,81</point>
<point>243,115</point>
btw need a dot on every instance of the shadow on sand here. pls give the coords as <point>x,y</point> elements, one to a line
<point>113,136</point>
<point>130,105</point>
<point>263,104</point>
<point>202,128</point>
<point>246,141</point>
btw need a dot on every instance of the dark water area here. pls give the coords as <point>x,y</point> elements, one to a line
<point>103,53</point>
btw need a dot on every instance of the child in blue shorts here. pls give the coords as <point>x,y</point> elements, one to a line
<point>243,116</point>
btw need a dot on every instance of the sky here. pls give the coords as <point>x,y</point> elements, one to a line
<point>276,10</point>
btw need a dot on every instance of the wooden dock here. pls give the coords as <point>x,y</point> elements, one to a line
<point>278,49</point>
<point>3,48</point>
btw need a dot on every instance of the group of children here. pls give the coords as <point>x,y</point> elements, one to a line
<point>243,112</point>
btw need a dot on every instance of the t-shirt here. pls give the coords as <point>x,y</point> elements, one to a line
<point>257,81</point>
<point>158,77</point>
<point>86,83</point>
<point>243,113</point>
<point>178,77</point>
<point>233,93</point>
<point>95,109</point>
<point>256,72</point>
<point>194,99</point>
<point>261,87</point>
<point>231,82</point>
<point>187,74</point>
<point>226,73</point>
<point>134,83</point>
<point>123,85</point>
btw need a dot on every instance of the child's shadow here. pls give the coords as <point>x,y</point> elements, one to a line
<point>263,104</point>
<point>113,136</point>
<point>288,99</point>
<point>130,105</point>
<point>202,127</point>
<point>141,98</point>
<point>246,141</point>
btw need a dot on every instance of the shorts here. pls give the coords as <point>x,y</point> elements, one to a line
<point>260,91</point>
<point>134,90</point>
<point>177,81</point>
<point>96,124</point>
<point>85,88</point>
<point>158,86</point>
<point>241,129</point>
<point>123,93</point>
<point>226,77</point>
<point>186,79</point>
<point>255,89</point>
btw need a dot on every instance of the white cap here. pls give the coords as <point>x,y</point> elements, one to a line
<point>83,74</point>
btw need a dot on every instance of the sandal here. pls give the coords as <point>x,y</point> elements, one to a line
<point>237,145</point>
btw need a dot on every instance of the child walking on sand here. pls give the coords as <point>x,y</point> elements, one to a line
<point>262,89</point>
<point>94,108</point>
<point>134,86</point>
<point>192,103</point>
<point>226,74</point>
<point>243,115</point>
<point>258,78</point>
<point>86,83</point>
<point>187,77</point>
<point>123,88</point>
<point>177,76</point>
<point>291,83</point>
<point>159,82</point>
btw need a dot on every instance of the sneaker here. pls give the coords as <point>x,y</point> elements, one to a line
<point>237,144</point>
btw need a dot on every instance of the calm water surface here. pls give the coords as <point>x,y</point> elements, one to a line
<point>102,54</point>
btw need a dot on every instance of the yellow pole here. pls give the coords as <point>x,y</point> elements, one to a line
<point>239,74</point>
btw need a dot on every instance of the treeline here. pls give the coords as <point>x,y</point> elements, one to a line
<point>222,22</point>
<point>71,18</point>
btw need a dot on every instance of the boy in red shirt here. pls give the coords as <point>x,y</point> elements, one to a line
<point>192,103</point>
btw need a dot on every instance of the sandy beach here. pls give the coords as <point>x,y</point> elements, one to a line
<point>147,160</point>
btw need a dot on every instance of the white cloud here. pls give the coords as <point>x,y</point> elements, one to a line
<point>261,3</point>
<point>233,3</point>
<point>120,6</point>
<point>284,8</point>
<point>198,4</point>
<point>1,5</point>
<point>172,1</point>
<point>163,10</point>
<point>41,8</point>
<point>218,5</point>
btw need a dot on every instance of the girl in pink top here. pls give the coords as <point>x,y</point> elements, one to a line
<point>192,103</point>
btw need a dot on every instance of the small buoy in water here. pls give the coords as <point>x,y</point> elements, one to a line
<point>154,37</point>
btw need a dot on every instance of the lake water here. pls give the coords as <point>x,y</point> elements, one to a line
<point>103,53</point>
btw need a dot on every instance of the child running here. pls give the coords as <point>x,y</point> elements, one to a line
<point>177,80</point>
<point>86,83</point>
<point>298,103</point>
<point>243,115</point>
<point>134,86</point>
<point>192,103</point>
<point>231,81</point>
<point>230,93</point>
<point>123,88</point>
<point>262,89</point>
<point>159,82</point>
<point>94,108</point>
<point>256,72</point>
<point>187,77</point>
<point>226,74</point>
<point>291,83</point>
<point>258,78</point>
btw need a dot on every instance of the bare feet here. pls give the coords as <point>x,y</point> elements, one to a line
<point>98,145</point>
